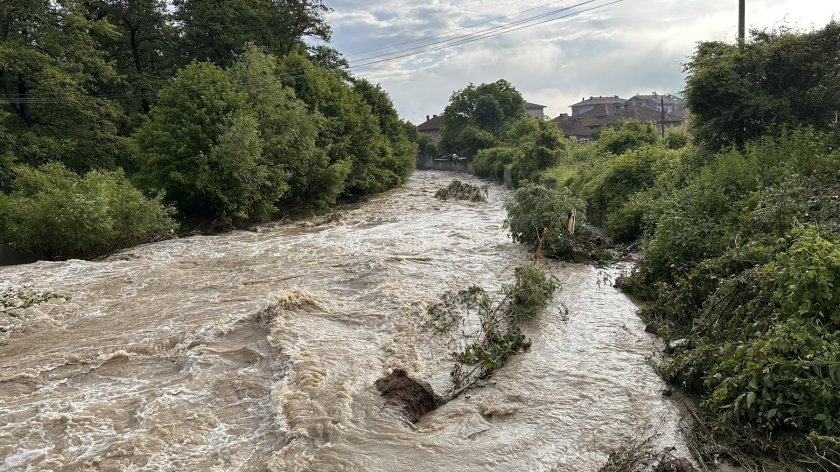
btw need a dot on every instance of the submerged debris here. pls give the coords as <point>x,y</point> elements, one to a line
<point>414,397</point>
<point>458,190</point>
<point>642,456</point>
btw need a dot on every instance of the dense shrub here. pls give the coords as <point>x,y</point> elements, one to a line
<point>789,378</point>
<point>203,148</point>
<point>541,148</point>
<point>298,169</point>
<point>529,295</point>
<point>53,212</point>
<point>622,177</point>
<point>627,136</point>
<point>537,216</point>
<point>778,79</point>
<point>491,163</point>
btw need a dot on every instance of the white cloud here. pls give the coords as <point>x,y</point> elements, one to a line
<point>637,46</point>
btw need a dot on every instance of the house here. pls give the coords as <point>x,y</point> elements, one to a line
<point>590,115</point>
<point>573,128</point>
<point>431,127</point>
<point>585,105</point>
<point>535,111</point>
<point>654,102</point>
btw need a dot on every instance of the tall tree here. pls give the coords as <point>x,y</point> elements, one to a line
<point>142,46</point>
<point>351,132</point>
<point>218,30</point>
<point>202,147</point>
<point>51,70</point>
<point>778,79</point>
<point>478,116</point>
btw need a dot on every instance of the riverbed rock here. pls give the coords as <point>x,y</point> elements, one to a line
<point>414,397</point>
<point>675,345</point>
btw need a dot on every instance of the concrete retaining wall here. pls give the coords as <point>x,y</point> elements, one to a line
<point>452,165</point>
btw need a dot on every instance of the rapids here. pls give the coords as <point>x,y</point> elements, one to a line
<point>258,351</point>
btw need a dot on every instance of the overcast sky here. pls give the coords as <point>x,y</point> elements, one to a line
<point>636,46</point>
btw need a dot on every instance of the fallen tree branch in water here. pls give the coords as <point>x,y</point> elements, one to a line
<point>497,338</point>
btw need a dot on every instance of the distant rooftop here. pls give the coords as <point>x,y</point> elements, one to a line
<point>533,105</point>
<point>599,101</point>
<point>431,124</point>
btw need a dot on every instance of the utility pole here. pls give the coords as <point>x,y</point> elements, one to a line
<point>742,23</point>
<point>662,107</point>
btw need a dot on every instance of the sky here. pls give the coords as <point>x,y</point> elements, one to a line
<point>634,46</point>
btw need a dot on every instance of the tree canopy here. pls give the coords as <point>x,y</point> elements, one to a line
<point>778,79</point>
<point>478,116</point>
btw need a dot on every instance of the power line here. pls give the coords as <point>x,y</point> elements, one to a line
<point>491,35</point>
<point>452,42</point>
<point>359,53</point>
<point>482,32</point>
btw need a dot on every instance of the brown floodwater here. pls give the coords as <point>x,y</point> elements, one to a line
<point>258,351</point>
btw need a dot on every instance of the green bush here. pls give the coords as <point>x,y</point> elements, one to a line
<point>677,138</point>
<point>490,163</point>
<point>623,176</point>
<point>627,136</point>
<point>536,214</point>
<point>53,212</point>
<point>788,378</point>
<point>203,148</point>
<point>530,294</point>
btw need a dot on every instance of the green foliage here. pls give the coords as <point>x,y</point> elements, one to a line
<point>140,43</point>
<point>219,31</point>
<point>530,294</point>
<point>478,117</point>
<point>499,336</point>
<point>627,136</point>
<point>537,216</point>
<point>677,138</point>
<point>619,178</point>
<point>53,212</point>
<point>203,149</point>
<point>776,80</point>
<point>400,160</point>
<point>491,162</point>
<point>705,217</point>
<point>52,72</point>
<point>351,133</point>
<point>541,148</point>
<point>788,378</point>
<point>289,134</point>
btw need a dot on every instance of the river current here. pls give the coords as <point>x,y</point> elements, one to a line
<point>258,351</point>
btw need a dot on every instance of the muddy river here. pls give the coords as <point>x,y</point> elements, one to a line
<point>258,351</point>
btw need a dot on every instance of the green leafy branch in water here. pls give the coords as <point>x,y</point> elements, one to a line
<point>22,298</point>
<point>499,336</point>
